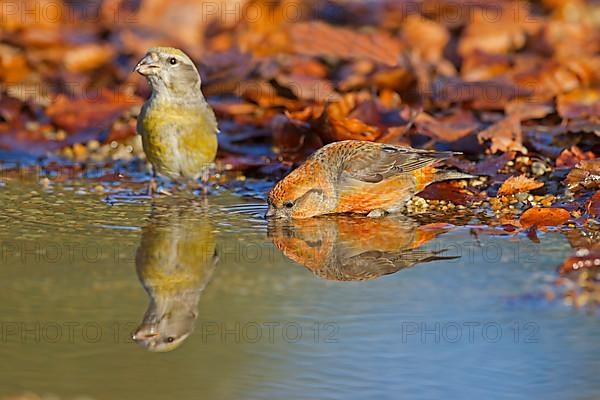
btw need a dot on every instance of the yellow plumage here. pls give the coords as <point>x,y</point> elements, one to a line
<point>179,141</point>
<point>178,127</point>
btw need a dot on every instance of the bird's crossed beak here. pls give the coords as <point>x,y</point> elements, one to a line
<point>148,65</point>
<point>270,212</point>
<point>145,332</point>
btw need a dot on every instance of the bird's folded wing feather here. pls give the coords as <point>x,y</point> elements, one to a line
<point>374,164</point>
<point>372,264</point>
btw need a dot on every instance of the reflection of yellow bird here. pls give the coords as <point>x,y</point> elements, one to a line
<point>175,261</point>
<point>348,248</point>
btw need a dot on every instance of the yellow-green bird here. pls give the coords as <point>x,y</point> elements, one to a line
<point>178,127</point>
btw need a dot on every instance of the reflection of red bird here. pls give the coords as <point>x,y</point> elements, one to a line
<point>348,248</point>
<point>357,177</point>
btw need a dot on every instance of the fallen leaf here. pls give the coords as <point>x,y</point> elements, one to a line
<point>538,217</point>
<point>586,174</point>
<point>449,128</point>
<point>491,165</point>
<point>593,205</point>
<point>90,113</point>
<point>337,123</point>
<point>320,39</point>
<point>492,94</point>
<point>526,110</point>
<point>308,88</point>
<point>580,103</point>
<point>508,33</point>
<point>568,39</point>
<point>13,64</point>
<point>481,66</point>
<point>570,157</point>
<point>88,57</point>
<point>505,135</point>
<point>449,191</point>
<point>426,37</point>
<point>293,138</point>
<point>518,184</point>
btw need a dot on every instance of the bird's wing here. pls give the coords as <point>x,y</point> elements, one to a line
<point>375,162</point>
<point>373,264</point>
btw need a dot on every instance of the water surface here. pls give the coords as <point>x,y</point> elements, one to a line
<point>332,309</point>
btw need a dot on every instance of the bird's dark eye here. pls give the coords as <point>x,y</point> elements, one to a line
<point>288,204</point>
<point>170,339</point>
<point>173,61</point>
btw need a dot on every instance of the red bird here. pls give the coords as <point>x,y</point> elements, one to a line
<point>359,177</point>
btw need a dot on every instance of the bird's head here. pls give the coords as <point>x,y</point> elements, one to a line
<point>298,195</point>
<point>170,72</point>
<point>162,333</point>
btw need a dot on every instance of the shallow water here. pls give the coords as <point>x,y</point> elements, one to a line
<point>367,309</point>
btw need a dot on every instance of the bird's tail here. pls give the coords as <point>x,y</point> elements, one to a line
<point>442,175</point>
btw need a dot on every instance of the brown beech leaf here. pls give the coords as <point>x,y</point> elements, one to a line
<point>490,165</point>
<point>483,95</point>
<point>320,39</point>
<point>580,103</point>
<point>351,129</point>
<point>570,157</point>
<point>88,57</point>
<point>182,20</point>
<point>292,138</point>
<point>538,216</point>
<point>233,108</point>
<point>497,36</point>
<point>505,135</point>
<point>586,174</point>
<point>593,205</point>
<point>90,113</point>
<point>525,111</point>
<point>450,128</point>
<point>569,40</point>
<point>449,191</point>
<point>481,66</point>
<point>426,37</point>
<point>13,64</point>
<point>340,120</point>
<point>308,88</point>
<point>308,113</point>
<point>518,184</point>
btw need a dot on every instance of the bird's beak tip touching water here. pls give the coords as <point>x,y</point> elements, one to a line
<point>271,212</point>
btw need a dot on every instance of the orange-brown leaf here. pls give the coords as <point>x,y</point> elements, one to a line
<point>586,174</point>
<point>538,216</point>
<point>320,39</point>
<point>580,103</point>
<point>570,157</point>
<point>90,113</point>
<point>593,205</point>
<point>451,128</point>
<point>518,184</point>
<point>506,135</point>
